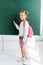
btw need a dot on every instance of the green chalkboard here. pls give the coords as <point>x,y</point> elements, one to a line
<point>9,11</point>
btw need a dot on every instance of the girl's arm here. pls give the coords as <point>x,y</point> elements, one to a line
<point>17,27</point>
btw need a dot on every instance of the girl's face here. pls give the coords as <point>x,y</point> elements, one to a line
<point>22,16</point>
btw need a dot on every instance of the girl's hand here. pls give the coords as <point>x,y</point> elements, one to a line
<point>14,23</point>
<point>17,27</point>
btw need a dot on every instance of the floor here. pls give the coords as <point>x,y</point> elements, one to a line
<point>11,53</point>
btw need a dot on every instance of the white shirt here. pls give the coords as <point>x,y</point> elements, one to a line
<point>23,31</point>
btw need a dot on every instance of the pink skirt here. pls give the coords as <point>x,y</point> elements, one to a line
<point>30,41</point>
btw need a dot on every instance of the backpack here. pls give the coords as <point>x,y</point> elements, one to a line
<point>30,32</point>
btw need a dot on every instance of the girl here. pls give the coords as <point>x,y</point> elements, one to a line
<point>25,32</point>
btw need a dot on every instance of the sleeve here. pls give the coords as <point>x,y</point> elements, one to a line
<point>21,29</point>
<point>25,31</point>
<point>17,27</point>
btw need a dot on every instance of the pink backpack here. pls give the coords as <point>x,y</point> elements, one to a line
<point>30,32</point>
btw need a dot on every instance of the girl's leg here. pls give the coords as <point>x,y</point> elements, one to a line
<point>23,51</point>
<point>24,54</point>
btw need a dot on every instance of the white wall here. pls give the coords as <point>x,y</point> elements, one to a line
<point>5,40</point>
